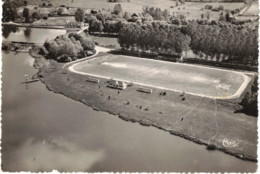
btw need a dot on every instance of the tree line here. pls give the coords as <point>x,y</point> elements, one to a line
<point>218,40</point>
<point>154,37</point>
<point>112,22</point>
<point>225,40</point>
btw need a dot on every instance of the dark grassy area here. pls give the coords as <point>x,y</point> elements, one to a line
<point>106,41</point>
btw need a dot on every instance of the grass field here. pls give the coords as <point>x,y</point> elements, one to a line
<point>170,76</point>
<point>106,41</point>
<point>193,10</point>
<point>132,6</point>
<point>252,10</point>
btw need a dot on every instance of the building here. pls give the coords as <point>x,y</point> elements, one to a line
<point>75,24</point>
<point>116,84</point>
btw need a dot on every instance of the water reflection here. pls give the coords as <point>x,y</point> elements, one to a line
<point>27,32</point>
<point>52,154</point>
<point>9,29</point>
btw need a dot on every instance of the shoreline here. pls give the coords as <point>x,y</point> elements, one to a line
<point>201,120</point>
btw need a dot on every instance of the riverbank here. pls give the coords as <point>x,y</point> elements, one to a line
<point>202,120</point>
<point>17,46</point>
<point>33,25</point>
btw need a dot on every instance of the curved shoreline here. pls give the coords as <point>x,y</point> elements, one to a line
<point>194,122</point>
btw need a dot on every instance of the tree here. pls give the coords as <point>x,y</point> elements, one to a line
<point>60,10</point>
<point>176,21</point>
<point>227,17</point>
<point>79,15</point>
<point>26,15</point>
<point>27,32</point>
<point>222,17</point>
<point>166,14</point>
<point>101,17</point>
<point>35,15</point>
<point>118,9</point>
<point>95,25</point>
<point>208,15</point>
<point>221,7</point>
<point>127,16</point>
<point>10,10</point>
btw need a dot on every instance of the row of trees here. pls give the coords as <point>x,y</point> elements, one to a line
<point>218,40</point>
<point>230,41</point>
<point>67,48</point>
<point>157,13</point>
<point>154,37</point>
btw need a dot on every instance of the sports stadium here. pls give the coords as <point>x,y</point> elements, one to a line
<point>192,79</point>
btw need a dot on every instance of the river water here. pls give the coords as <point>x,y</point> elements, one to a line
<point>42,131</point>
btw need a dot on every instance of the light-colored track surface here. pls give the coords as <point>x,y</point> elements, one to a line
<point>85,68</point>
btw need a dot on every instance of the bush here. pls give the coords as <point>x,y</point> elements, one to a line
<point>208,7</point>
<point>5,46</point>
<point>64,58</point>
<point>249,101</point>
<point>35,15</point>
<point>45,17</point>
<point>43,51</point>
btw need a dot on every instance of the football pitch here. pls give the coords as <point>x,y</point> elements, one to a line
<point>192,79</point>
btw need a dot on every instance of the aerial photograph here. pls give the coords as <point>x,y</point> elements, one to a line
<point>129,86</point>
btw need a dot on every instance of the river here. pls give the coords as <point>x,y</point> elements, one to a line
<point>42,131</point>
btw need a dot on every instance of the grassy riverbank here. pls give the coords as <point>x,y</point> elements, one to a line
<point>202,120</point>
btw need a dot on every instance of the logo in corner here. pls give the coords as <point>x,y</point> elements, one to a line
<point>231,143</point>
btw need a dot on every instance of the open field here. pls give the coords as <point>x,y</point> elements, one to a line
<point>132,6</point>
<point>197,80</point>
<point>252,10</point>
<point>55,21</point>
<point>106,41</point>
<point>193,10</point>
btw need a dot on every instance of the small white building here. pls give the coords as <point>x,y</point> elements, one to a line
<point>117,84</point>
